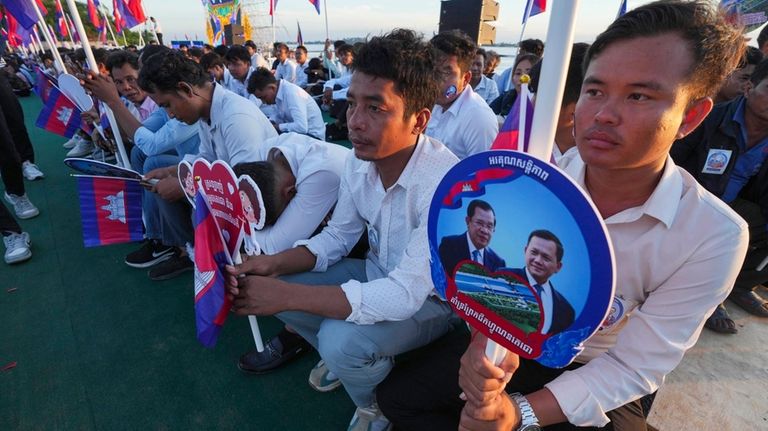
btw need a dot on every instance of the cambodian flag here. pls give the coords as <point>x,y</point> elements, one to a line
<point>272,7</point>
<point>23,11</point>
<point>316,4</point>
<point>131,11</point>
<point>211,302</point>
<point>533,8</point>
<point>43,84</point>
<point>119,21</point>
<point>61,21</point>
<point>93,14</point>
<point>299,37</point>
<point>509,135</point>
<point>59,115</point>
<point>622,8</point>
<point>110,209</point>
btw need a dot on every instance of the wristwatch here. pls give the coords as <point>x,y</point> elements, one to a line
<point>528,419</point>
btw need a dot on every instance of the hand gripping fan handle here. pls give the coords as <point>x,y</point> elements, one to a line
<point>495,352</point>
<point>252,319</point>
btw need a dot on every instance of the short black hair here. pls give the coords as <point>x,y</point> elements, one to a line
<point>549,236</point>
<point>249,44</point>
<point>210,60</point>
<point>402,57</point>
<point>118,59</point>
<point>100,55</point>
<point>150,50</point>
<point>456,43</point>
<point>346,48</point>
<point>716,46</point>
<point>164,71</point>
<point>196,52</point>
<point>573,79</point>
<point>264,175</point>
<point>760,73</point>
<point>338,43</point>
<point>752,56</point>
<point>762,38</point>
<point>281,46</point>
<point>238,52</point>
<point>259,79</point>
<point>483,205</point>
<point>302,48</point>
<point>222,50</point>
<point>481,51</point>
<point>532,46</point>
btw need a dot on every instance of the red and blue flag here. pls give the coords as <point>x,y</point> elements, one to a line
<point>211,302</point>
<point>93,14</point>
<point>272,7</point>
<point>316,4</point>
<point>59,115</point>
<point>110,209</point>
<point>61,21</point>
<point>131,11</point>
<point>533,8</point>
<point>299,37</point>
<point>509,135</point>
<point>43,84</point>
<point>23,11</point>
<point>119,21</point>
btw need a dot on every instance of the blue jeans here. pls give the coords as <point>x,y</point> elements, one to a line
<point>362,355</point>
<point>142,164</point>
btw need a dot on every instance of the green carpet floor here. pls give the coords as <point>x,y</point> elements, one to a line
<point>99,346</point>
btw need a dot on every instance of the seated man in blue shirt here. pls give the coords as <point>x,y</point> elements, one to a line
<point>727,155</point>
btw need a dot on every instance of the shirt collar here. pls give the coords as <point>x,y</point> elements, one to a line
<point>406,177</point>
<point>472,247</point>
<point>217,104</point>
<point>280,90</point>
<point>459,102</point>
<point>738,118</point>
<point>146,107</point>
<point>532,281</point>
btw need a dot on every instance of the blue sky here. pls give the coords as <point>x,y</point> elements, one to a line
<point>359,18</point>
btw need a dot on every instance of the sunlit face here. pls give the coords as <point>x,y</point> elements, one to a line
<point>490,65</point>
<point>452,80</point>
<point>736,83</point>
<point>345,58</point>
<point>522,68</point>
<point>476,68</point>
<point>629,114</point>
<point>541,259</point>
<point>126,79</point>
<point>481,226</point>
<point>238,69</point>
<point>301,56</point>
<point>217,72</point>
<point>282,54</point>
<point>375,120</point>
<point>757,100</point>
<point>179,105</point>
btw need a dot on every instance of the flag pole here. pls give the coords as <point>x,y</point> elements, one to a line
<point>325,9</point>
<point>528,8</point>
<point>109,27</point>
<point>95,68</point>
<point>58,62</point>
<point>69,29</point>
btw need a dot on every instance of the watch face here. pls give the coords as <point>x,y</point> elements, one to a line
<point>531,427</point>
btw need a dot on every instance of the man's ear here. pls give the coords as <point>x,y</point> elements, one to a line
<point>422,118</point>
<point>467,77</point>
<point>185,89</point>
<point>748,87</point>
<point>696,112</point>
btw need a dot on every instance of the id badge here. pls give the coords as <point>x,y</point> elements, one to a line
<point>717,161</point>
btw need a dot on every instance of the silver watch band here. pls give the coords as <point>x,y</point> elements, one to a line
<point>527,416</point>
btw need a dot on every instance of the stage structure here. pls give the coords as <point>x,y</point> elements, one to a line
<point>261,24</point>
<point>222,13</point>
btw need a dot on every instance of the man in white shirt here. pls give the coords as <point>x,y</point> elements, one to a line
<point>302,63</point>
<point>239,66</point>
<point>286,68</point>
<point>257,60</point>
<point>482,85</point>
<point>295,111</point>
<point>460,119</point>
<point>678,248</point>
<point>231,129</point>
<point>360,314</point>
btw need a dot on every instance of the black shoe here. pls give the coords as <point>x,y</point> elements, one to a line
<point>171,268</point>
<point>151,253</point>
<point>274,354</point>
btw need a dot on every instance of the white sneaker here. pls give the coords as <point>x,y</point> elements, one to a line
<point>22,206</point>
<point>82,148</point>
<point>368,419</point>
<point>322,379</point>
<point>31,171</point>
<point>17,247</point>
<point>72,141</point>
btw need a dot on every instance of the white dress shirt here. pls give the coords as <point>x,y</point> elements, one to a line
<point>546,300</point>
<point>236,130</point>
<point>258,60</point>
<point>557,155</point>
<point>342,82</point>
<point>487,89</point>
<point>472,249</point>
<point>397,264</point>
<point>468,127</point>
<point>286,70</point>
<point>677,257</point>
<point>318,167</point>
<point>236,86</point>
<point>297,111</point>
<point>302,79</point>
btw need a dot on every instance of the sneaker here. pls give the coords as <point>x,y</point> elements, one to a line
<point>275,353</point>
<point>72,142</point>
<point>31,171</point>
<point>368,419</point>
<point>322,379</point>
<point>151,253</point>
<point>16,247</point>
<point>171,268</point>
<point>22,206</point>
<point>82,148</point>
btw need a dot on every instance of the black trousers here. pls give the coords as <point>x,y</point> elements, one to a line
<point>749,277</point>
<point>10,163</point>
<point>422,392</point>
<point>14,117</point>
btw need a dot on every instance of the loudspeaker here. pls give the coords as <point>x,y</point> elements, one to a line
<point>470,16</point>
<point>234,34</point>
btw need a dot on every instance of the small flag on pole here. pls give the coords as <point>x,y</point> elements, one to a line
<point>622,8</point>
<point>93,14</point>
<point>533,8</point>
<point>211,302</point>
<point>299,37</point>
<point>61,22</point>
<point>519,119</point>
<point>110,209</point>
<point>43,84</point>
<point>59,115</point>
<point>272,7</point>
<point>23,11</point>
<point>316,4</point>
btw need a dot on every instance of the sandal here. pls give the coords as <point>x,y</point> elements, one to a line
<point>721,322</point>
<point>750,301</point>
